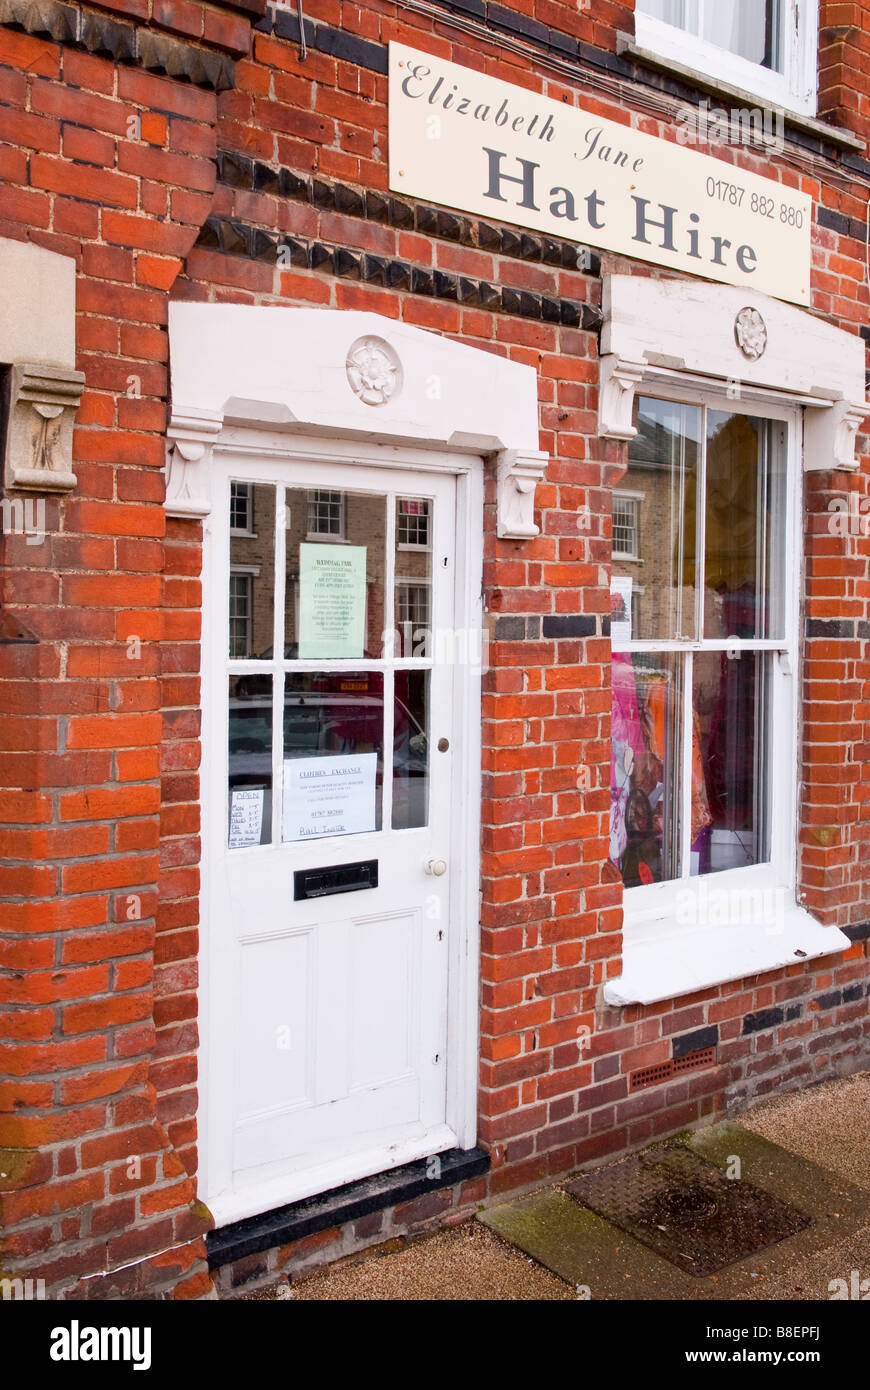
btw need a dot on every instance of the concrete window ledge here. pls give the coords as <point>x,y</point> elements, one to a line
<point>665,959</point>
<point>626,46</point>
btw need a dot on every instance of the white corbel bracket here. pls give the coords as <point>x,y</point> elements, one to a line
<point>518,473</point>
<point>830,435</point>
<point>43,400</point>
<point>620,378</point>
<point>189,444</point>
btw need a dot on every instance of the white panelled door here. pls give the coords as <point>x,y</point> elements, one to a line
<point>329,781</point>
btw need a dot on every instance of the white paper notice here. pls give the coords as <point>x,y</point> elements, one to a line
<point>620,610</point>
<point>246,816</point>
<point>332,601</point>
<point>329,796</point>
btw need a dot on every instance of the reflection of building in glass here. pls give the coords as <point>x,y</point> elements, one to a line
<point>650,527</point>
<point>241,594</point>
<point>626,510</point>
<point>321,517</point>
<point>326,514</point>
<point>252,551</point>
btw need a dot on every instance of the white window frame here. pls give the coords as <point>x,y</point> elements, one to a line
<point>249,529</point>
<point>794,89</point>
<point>653,902</point>
<point>817,370</point>
<point>626,495</point>
<point>410,545</point>
<point>413,581</point>
<point>248,572</point>
<point>336,537</point>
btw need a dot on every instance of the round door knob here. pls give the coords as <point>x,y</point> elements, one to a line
<point>436,867</point>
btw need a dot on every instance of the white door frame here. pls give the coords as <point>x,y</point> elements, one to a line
<point>275,448</point>
<point>274,380</point>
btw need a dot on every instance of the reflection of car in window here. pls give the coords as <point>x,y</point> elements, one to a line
<point>320,723</point>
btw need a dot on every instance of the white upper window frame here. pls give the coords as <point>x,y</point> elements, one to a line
<point>338,537</point>
<point>246,490</point>
<point>623,495</point>
<point>413,545</point>
<point>794,89</point>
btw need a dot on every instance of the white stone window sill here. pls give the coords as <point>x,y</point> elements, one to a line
<point>664,959</point>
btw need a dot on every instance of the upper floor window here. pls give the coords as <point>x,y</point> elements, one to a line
<point>412,524</point>
<point>241,509</point>
<point>326,514</point>
<point>767,47</point>
<point>626,513</point>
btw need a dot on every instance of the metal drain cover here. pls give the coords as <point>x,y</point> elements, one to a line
<point>686,1209</point>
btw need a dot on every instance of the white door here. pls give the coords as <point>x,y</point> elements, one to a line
<point>329,766</point>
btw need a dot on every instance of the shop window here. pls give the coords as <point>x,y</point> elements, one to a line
<point>326,515</point>
<point>703,734</point>
<point>412,524</point>
<point>241,615</point>
<point>241,509</point>
<point>766,47</point>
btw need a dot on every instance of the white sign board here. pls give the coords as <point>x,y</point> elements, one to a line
<point>246,816</point>
<point>469,141</point>
<point>329,796</point>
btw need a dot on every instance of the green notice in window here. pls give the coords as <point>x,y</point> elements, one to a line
<point>332,601</point>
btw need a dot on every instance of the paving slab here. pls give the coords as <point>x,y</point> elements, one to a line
<point>592,1254</point>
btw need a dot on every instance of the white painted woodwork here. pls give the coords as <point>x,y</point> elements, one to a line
<point>375,991</point>
<point>290,369</point>
<point>658,330</point>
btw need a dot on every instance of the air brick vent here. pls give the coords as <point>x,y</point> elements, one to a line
<point>664,1071</point>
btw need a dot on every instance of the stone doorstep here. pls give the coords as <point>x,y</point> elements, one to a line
<point>341,1205</point>
<point>586,1250</point>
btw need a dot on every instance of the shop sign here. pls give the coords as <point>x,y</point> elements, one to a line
<point>465,140</point>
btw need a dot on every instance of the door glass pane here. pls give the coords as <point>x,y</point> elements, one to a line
<point>745,526</point>
<point>334,600</point>
<point>654,523</point>
<point>252,570</point>
<point>411,750</point>
<point>644,766</point>
<point>730,701</point>
<point>333,753</point>
<point>413,570</point>
<point>250,760</point>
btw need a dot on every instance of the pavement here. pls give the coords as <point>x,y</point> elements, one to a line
<point>809,1148</point>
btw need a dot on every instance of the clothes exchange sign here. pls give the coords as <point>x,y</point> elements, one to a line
<point>468,141</point>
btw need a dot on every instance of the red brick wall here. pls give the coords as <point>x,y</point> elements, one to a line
<point>100,714</point>
<point>97,1167</point>
<point>844,47</point>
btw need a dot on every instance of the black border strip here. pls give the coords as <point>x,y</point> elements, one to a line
<point>343,1204</point>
